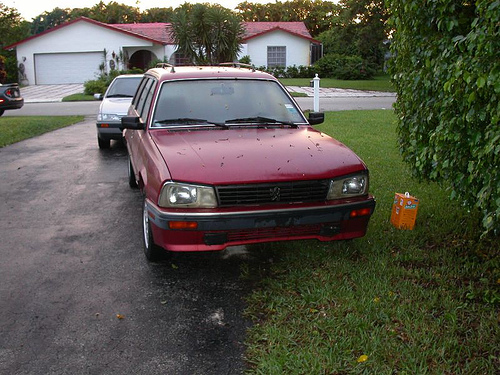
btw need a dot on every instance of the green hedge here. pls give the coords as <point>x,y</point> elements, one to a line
<point>344,67</point>
<point>446,71</point>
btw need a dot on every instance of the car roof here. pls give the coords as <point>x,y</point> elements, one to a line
<point>130,76</point>
<point>168,73</point>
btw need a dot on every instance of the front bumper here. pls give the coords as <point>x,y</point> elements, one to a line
<point>109,130</point>
<point>219,229</point>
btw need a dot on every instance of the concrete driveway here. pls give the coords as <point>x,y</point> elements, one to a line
<point>77,295</point>
<point>49,93</point>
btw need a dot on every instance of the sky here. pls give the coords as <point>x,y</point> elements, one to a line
<point>30,9</point>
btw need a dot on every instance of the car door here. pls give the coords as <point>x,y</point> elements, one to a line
<point>141,106</point>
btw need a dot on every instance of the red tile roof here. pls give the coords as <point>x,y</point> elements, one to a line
<point>254,29</point>
<point>160,32</point>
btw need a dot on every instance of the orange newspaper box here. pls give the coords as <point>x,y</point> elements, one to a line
<point>404,211</point>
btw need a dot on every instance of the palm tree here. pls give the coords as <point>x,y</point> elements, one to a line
<point>207,34</point>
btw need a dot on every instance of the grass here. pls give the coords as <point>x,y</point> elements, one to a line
<point>15,129</point>
<point>79,98</point>
<point>417,302</point>
<point>379,83</point>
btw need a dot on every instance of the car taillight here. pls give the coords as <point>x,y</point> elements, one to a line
<point>8,92</point>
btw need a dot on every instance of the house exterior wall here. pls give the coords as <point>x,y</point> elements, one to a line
<point>297,49</point>
<point>74,38</point>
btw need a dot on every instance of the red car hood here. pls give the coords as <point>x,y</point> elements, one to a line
<point>252,155</point>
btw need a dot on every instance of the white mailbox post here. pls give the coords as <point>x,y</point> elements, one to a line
<point>316,93</point>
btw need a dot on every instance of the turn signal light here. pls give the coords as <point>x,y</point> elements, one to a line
<point>360,212</point>
<point>183,225</point>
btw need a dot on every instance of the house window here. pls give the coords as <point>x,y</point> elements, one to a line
<point>276,56</point>
<point>179,59</point>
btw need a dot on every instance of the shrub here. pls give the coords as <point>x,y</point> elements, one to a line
<point>3,73</point>
<point>92,87</point>
<point>246,60</point>
<point>300,71</point>
<point>446,72</point>
<point>344,67</point>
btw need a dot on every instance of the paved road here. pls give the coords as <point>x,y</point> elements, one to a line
<point>71,265</point>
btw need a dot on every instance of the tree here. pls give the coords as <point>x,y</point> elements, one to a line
<point>207,34</point>
<point>360,29</point>
<point>12,26</point>
<point>157,15</point>
<point>316,14</point>
<point>114,13</point>
<point>47,20</point>
<point>12,29</point>
<point>447,75</point>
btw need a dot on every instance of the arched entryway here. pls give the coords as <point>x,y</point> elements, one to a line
<point>141,59</point>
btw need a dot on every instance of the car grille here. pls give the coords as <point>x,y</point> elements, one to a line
<point>273,193</point>
<point>275,232</point>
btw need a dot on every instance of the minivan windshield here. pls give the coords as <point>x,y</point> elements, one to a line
<point>224,102</point>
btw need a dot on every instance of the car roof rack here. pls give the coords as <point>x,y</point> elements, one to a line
<point>165,66</point>
<point>238,65</point>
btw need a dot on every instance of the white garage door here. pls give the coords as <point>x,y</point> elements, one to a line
<point>58,68</point>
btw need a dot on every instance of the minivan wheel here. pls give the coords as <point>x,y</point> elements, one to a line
<point>152,251</point>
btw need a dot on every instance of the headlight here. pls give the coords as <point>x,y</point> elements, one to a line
<point>108,117</point>
<point>346,187</point>
<point>180,195</point>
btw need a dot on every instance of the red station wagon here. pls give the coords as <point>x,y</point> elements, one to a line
<point>224,156</point>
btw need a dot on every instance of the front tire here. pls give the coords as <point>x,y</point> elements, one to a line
<point>152,251</point>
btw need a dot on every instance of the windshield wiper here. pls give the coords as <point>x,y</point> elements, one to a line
<point>190,121</point>
<point>261,120</point>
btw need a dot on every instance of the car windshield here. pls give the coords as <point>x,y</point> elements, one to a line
<point>224,102</point>
<point>123,87</point>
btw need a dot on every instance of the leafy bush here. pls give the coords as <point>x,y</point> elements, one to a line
<point>3,73</point>
<point>92,87</point>
<point>245,60</point>
<point>446,72</point>
<point>344,67</point>
<point>294,71</point>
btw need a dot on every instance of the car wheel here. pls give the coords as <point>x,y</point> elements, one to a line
<point>152,251</point>
<point>1,112</point>
<point>103,143</point>
<point>131,176</point>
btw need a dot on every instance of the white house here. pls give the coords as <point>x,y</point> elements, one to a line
<point>80,50</point>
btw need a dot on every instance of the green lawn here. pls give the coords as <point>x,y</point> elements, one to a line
<point>15,129</point>
<point>79,98</point>
<point>379,83</point>
<point>393,302</point>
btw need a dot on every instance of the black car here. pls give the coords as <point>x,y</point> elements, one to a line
<point>10,97</point>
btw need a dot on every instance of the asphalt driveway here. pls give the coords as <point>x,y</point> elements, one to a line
<point>77,295</point>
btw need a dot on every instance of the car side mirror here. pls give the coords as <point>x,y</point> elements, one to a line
<point>132,122</point>
<point>98,96</point>
<point>316,118</point>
